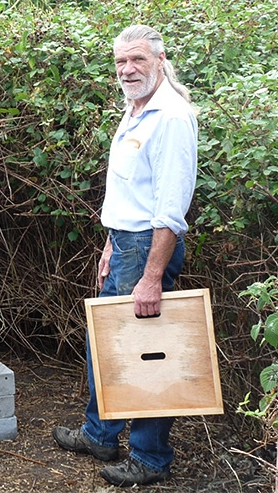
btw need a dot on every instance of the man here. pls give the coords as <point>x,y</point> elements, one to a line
<point>150,183</point>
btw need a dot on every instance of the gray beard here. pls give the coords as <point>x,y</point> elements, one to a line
<point>145,89</point>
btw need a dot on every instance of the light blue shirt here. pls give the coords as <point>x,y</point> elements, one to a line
<point>152,166</point>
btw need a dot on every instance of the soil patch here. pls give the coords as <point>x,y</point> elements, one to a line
<point>50,394</point>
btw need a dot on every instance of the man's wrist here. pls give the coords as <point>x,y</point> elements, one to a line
<point>152,276</point>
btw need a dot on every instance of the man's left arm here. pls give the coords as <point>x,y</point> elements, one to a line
<point>147,293</point>
<point>174,181</point>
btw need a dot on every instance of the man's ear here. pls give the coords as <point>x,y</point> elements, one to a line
<point>161,58</point>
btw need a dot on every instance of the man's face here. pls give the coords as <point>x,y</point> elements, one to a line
<point>138,70</point>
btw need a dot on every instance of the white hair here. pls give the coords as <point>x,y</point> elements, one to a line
<point>142,31</point>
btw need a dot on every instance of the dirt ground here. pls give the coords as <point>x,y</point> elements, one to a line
<point>50,394</point>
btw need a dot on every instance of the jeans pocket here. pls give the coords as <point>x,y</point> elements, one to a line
<point>121,244</point>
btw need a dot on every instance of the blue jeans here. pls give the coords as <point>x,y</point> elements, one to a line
<point>148,436</point>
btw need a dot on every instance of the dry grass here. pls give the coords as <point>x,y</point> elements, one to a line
<point>45,279</point>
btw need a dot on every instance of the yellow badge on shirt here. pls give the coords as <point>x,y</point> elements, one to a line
<point>132,142</point>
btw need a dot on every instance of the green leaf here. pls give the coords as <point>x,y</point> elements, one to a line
<point>271,169</point>
<point>267,400</point>
<point>246,400</point>
<point>85,185</point>
<point>91,106</point>
<point>21,47</point>
<point>60,212</point>
<point>73,235</point>
<point>255,331</point>
<point>21,96</point>
<point>58,134</point>
<point>263,300</point>
<point>11,111</point>
<point>271,330</point>
<point>55,72</point>
<point>40,157</point>
<point>42,197</point>
<point>32,62</point>
<point>66,173</point>
<point>269,377</point>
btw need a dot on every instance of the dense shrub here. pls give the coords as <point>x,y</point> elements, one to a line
<point>59,107</point>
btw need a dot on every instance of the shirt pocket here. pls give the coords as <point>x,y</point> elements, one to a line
<point>124,157</point>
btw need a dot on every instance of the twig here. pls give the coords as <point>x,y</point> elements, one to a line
<point>234,472</point>
<point>13,6</point>
<point>33,484</point>
<point>276,475</point>
<point>56,472</point>
<point>266,191</point>
<point>208,435</point>
<point>262,461</point>
<point>248,262</point>
<point>23,457</point>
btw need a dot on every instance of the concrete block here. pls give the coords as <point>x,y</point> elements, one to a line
<point>6,406</point>
<point>7,383</point>
<point>8,428</point>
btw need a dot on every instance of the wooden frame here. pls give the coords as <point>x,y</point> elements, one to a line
<point>154,367</point>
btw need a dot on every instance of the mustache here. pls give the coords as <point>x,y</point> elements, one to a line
<point>128,79</point>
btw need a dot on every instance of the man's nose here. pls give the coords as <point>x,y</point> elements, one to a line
<point>128,67</point>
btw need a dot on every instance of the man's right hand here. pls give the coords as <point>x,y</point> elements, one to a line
<point>104,263</point>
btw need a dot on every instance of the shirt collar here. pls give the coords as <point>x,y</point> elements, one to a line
<point>156,102</point>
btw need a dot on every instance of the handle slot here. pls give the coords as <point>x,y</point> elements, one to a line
<point>153,356</point>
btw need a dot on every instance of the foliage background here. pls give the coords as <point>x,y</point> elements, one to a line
<point>59,107</point>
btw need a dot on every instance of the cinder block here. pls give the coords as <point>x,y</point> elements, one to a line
<point>6,406</point>
<point>8,428</point>
<point>7,384</point>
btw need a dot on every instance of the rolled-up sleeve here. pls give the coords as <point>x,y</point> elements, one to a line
<point>174,173</point>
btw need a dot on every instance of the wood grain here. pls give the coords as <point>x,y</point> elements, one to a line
<point>165,366</point>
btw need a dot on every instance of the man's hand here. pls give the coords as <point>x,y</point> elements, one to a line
<point>147,292</point>
<point>147,296</point>
<point>104,263</point>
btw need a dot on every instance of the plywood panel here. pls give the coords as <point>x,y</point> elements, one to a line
<point>165,366</point>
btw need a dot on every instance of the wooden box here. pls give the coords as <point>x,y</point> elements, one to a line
<point>154,367</point>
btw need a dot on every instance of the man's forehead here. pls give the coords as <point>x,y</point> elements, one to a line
<point>129,47</point>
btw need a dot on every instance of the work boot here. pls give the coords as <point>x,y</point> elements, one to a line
<point>130,472</point>
<point>76,441</point>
